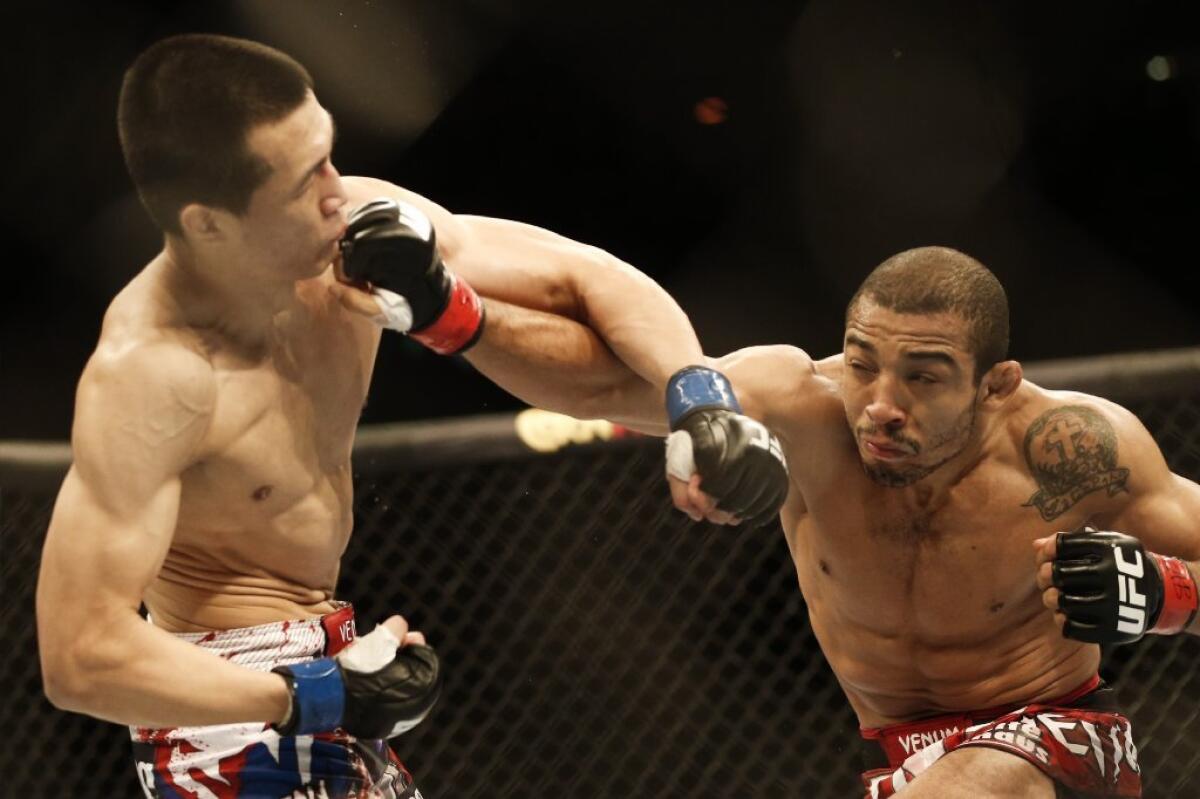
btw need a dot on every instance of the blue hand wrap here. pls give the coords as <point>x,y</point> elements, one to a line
<point>318,694</point>
<point>696,388</point>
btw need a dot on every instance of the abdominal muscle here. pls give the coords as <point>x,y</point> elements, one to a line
<point>900,676</point>
<point>192,599</point>
<point>227,570</point>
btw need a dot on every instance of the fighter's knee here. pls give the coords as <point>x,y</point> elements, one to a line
<point>980,773</point>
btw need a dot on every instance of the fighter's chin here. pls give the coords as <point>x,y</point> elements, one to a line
<point>325,259</point>
<point>891,474</point>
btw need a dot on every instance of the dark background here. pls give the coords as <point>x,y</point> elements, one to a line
<point>1032,135</point>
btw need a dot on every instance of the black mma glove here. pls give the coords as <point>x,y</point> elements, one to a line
<point>371,689</point>
<point>391,246</point>
<point>740,462</point>
<point>1113,591</point>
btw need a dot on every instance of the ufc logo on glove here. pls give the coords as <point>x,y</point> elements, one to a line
<point>1132,608</point>
<point>1090,563</point>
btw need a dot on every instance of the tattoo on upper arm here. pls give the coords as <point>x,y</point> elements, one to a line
<point>1071,452</point>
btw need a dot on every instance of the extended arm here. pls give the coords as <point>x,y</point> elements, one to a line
<point>410,265</point>
<point>533,268</point>
<point>575,329</point>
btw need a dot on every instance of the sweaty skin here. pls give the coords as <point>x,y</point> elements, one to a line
<point>921,583</point>
<point>265,510</point>
<point>214,423</point>
<point>926,602</point>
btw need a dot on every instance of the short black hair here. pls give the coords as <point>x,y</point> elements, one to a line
<point>928,280</point>
<point>187,105</point>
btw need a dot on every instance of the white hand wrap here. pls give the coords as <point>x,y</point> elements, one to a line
<point>394,311</point>
<point>680,462</point>
<point>371,652</point>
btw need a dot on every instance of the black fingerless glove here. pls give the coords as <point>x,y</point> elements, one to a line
<point>378,703</point>
<point>392,246</point>
<point>740,463</point>
<point>1112,590</point>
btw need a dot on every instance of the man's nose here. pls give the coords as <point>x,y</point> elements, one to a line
<point>331,205</point>
<point>337,196</point>
<point>884,410</point>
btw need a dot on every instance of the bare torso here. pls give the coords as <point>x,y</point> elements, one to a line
<point>926,604</point>
<point>266,508</point>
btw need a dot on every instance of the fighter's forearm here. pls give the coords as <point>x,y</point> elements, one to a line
<point>130,672</point>
<point>639,321</point>
<point>389,244</point>
<point>559,364</point>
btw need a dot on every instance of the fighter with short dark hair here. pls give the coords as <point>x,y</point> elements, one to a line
<point>214,424</point>
<point>964,538</point>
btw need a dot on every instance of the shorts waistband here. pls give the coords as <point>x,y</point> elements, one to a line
<point>280,643</point>
<point>900,740</point>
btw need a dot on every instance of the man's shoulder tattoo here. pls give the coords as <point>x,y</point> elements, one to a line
<point>1071,452</point>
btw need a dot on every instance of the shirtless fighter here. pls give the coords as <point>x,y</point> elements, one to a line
<point>947,520</point>
<point>211,479</point>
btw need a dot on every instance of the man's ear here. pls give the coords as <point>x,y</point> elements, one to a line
<point>1000,382</point>
<point>203,223</point>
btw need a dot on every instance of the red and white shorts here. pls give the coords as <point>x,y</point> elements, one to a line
<point>252,761</point>
<point>1079,740</point>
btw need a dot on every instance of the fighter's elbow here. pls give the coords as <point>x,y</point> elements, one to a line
<point>589,280</point>
<point>562,297</point>
<point>72,672</point>
<point>64,683</point>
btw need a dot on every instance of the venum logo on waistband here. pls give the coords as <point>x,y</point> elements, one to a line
<point>915,741</point>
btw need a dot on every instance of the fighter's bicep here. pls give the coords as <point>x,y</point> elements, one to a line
<point>1155,504</point>
<point>1163,516</point>
<point>141,417</point>
<point>96,565</point>
<point>102,553</point>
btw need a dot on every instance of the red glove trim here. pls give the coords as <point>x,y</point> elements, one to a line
<point>1179,596</point>
<point>459,325</point>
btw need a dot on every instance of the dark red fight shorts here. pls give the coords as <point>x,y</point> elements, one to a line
<point>1081,741</point>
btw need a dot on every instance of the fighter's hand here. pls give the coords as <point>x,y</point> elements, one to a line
<point>736,459</point>
<point>389,250</point>
<point>398,626</point>
<point>361,299</point>
<point>1045,550</point>
<point>1105,588</point>
<point>688,497</point>
<point>383,684</point>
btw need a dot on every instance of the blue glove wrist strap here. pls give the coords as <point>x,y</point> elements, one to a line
<point>696,388</point>
<point>318,695</point>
